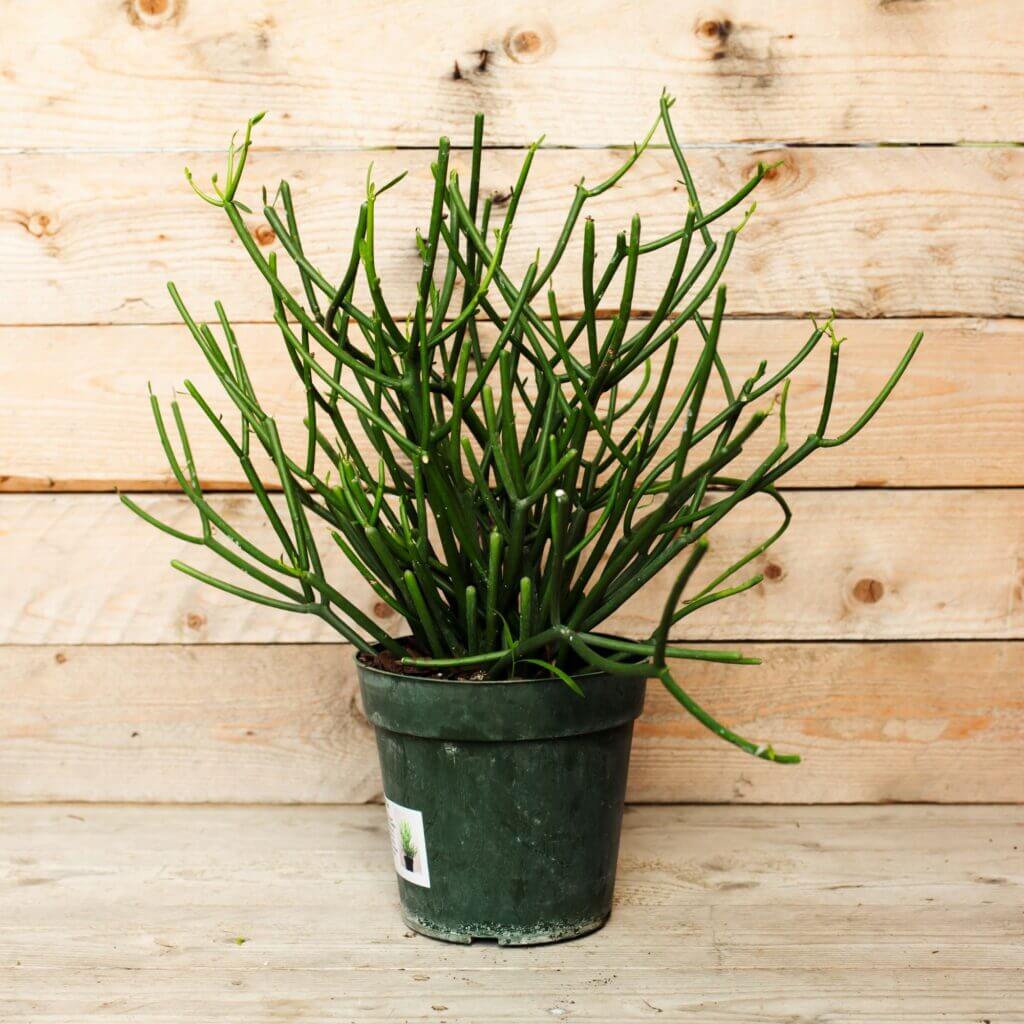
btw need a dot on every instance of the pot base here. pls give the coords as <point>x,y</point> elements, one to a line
<point>552,932</point>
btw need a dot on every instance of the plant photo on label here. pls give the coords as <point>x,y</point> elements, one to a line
<point>409,850</point>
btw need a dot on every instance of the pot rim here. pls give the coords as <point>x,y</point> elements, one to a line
<point>591,674</point>
<point>452,711</point>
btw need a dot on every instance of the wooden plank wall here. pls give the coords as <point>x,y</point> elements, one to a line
<point>892,621</point>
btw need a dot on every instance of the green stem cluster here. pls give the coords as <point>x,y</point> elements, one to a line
<point>513,500</point>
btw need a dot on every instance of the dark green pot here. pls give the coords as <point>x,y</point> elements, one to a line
<point>510,793</point>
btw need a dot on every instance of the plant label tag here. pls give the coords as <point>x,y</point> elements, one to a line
<point>408,843</point>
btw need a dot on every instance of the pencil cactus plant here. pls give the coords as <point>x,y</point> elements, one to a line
<point>504,548</point>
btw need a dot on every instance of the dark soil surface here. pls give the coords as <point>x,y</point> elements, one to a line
<point>385,661</point>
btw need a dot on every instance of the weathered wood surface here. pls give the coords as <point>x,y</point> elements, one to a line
<point>727,914</point>
<point>875,723</point>
<point>103,101</point>
<point>854,565</point>
<point>870,232</point>
<point>75,416</point>
<point>171,74</point>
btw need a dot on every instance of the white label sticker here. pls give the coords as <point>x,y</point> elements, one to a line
<point>408,843</point>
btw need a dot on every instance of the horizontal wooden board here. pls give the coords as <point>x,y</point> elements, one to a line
<point>854,565</point>
<point>882,232</point>
<point>75,415</point>
<point>284,724</point>
<point>167,73</point>
<point>897,915</point>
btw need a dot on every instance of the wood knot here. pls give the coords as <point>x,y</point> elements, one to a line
<point>712,35</point>
<point>264,234</point>
<point>868,591</point>
<point>382,610</point>
<point>154,13</point>
<point>783,174</point>
<point>772,571</point>
<point>714,29</point>
<point>776,169</point>
<point>60,657</point>
<point>195,621</point>
<point>41,225</point>
<point>525,46</point>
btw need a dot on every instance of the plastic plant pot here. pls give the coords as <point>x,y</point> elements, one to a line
<point>518,787</point>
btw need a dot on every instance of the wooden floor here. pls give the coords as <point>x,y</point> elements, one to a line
<point>739,914</point>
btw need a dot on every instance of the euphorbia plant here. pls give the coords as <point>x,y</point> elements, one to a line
<point>504,547</point>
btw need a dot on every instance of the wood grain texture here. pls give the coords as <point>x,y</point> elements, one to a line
<point>103,101</point>
<point>172,74</point>
<point>854,565</point>
<point>873,232</point>
<point>897,915</point>
<point>75,415</point>
<point>875,723</point>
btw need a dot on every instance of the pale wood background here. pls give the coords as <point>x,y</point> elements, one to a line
<point>893,620</point>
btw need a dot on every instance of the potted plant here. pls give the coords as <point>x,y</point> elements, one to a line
<point>408,846</point>
<point>505,474</point>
